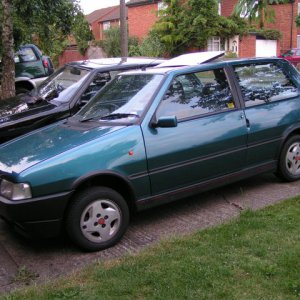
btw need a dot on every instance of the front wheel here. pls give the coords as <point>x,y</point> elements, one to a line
<point>97,218</point>
<point>289,161</point>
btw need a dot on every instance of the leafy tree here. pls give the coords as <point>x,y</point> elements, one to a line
<point>46,23</point>
<point>81,32</point>
<point>112,44</point>
<point>151,46</point>
<point>190,24</point>
<point>8,64</point>
<point>257,10</point>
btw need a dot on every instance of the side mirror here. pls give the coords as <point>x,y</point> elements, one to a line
<point>166,122</point>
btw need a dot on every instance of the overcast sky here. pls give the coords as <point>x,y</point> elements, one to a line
<point>89,6</point>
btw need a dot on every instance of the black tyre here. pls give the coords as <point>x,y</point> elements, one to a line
<point>97,218</point>
<point>289,161</point>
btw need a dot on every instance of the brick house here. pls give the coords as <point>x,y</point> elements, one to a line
<point>102,19</point>
<point>99,20</point>
<point>142,14</point>
<point>254,45</point>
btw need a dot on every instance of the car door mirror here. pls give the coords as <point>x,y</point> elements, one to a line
<point>166,122</point>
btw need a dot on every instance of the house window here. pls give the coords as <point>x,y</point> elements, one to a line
<point>219,8</point>
<point>161,5</point>
<point>298,8</point>
<point>215,44</point>
<point>298,41</point>
<point>106,25</point>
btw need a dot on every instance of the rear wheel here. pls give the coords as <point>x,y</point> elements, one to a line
<point>289,162</point>
<point>97,218</point>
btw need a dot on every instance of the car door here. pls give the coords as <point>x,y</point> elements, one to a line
<point>28,63</point>
<point>296,57</point>
<point>209,140</point>
<point>271,100</point>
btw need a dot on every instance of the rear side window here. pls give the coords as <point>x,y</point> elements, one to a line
<point>197,94</point>
<point>264,83</point>
<point>25,55</point>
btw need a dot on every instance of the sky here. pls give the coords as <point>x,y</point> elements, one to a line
<point>89,6</point>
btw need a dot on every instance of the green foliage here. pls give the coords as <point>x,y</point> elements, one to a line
<point>81,32</point>
<point>189,25</point>
<point>112,43</point>
<point>48,24</point>
<point>257,11</point>
<point>268,34</point>
<point>297,21</point>
<point>230,55</point>
<point>151,46</point>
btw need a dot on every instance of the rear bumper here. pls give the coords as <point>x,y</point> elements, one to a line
<point>41,216</point>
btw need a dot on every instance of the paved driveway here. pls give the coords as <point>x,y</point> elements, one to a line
<point>23,260</point>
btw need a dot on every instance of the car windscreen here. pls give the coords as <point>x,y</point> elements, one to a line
<point>62,85</point>
<point>126,97</point>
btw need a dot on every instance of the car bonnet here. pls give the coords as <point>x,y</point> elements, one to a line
<point>31,149</point>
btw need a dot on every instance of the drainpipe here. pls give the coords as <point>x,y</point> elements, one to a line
<point>292,24</point>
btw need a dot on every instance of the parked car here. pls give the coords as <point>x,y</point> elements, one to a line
<point>150,137</point>
<point>292,55</point>
<point>31,68</point>
<point>62,94</point>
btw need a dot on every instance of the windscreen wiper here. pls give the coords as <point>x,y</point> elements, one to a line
<point>119,116</point>
<point>111,117</point>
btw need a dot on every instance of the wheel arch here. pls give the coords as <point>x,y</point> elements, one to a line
<point>290,131</point>
<point>27,84</point>
<point>109,179</point>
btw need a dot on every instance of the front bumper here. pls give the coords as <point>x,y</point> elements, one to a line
<point>41,216</point>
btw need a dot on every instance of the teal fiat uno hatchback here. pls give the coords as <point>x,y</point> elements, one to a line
<point>150,137</point>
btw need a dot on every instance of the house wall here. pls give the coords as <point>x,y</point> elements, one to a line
<point>70,55</point>
<point>227,7</point>
<point>247,46</point>
<point>285,15</point>
<point>141,19</point>
<point>95,27</point>
<point>284,21</point>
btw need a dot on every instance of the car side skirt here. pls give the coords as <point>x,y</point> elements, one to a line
<point>191,190</point>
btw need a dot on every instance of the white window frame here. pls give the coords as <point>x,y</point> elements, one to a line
<point>219,8</point>
<point>298,41</point>
<point>214,44</point>
<point>161,5</point>
<point>106,25</point>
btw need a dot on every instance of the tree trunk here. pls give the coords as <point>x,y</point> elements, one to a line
<point>8,63</point>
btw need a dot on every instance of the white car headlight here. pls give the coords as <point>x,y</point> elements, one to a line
<point>15,191</point>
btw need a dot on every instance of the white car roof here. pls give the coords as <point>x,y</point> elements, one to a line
<point>182,61</point>
<point>191,59</point>
<point>98,63</point>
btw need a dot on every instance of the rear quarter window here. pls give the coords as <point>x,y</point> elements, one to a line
<point>264,83</point>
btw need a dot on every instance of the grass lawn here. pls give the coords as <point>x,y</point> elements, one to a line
<point>256,256</point>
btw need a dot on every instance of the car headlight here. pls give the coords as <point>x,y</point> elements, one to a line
<point>15,191</point>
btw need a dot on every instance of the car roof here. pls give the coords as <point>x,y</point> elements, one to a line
<point>160,69</point>
<point>109,62</point>
<point>192,59</point>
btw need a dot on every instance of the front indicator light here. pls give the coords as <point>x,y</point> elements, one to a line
<point>15,191</point>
